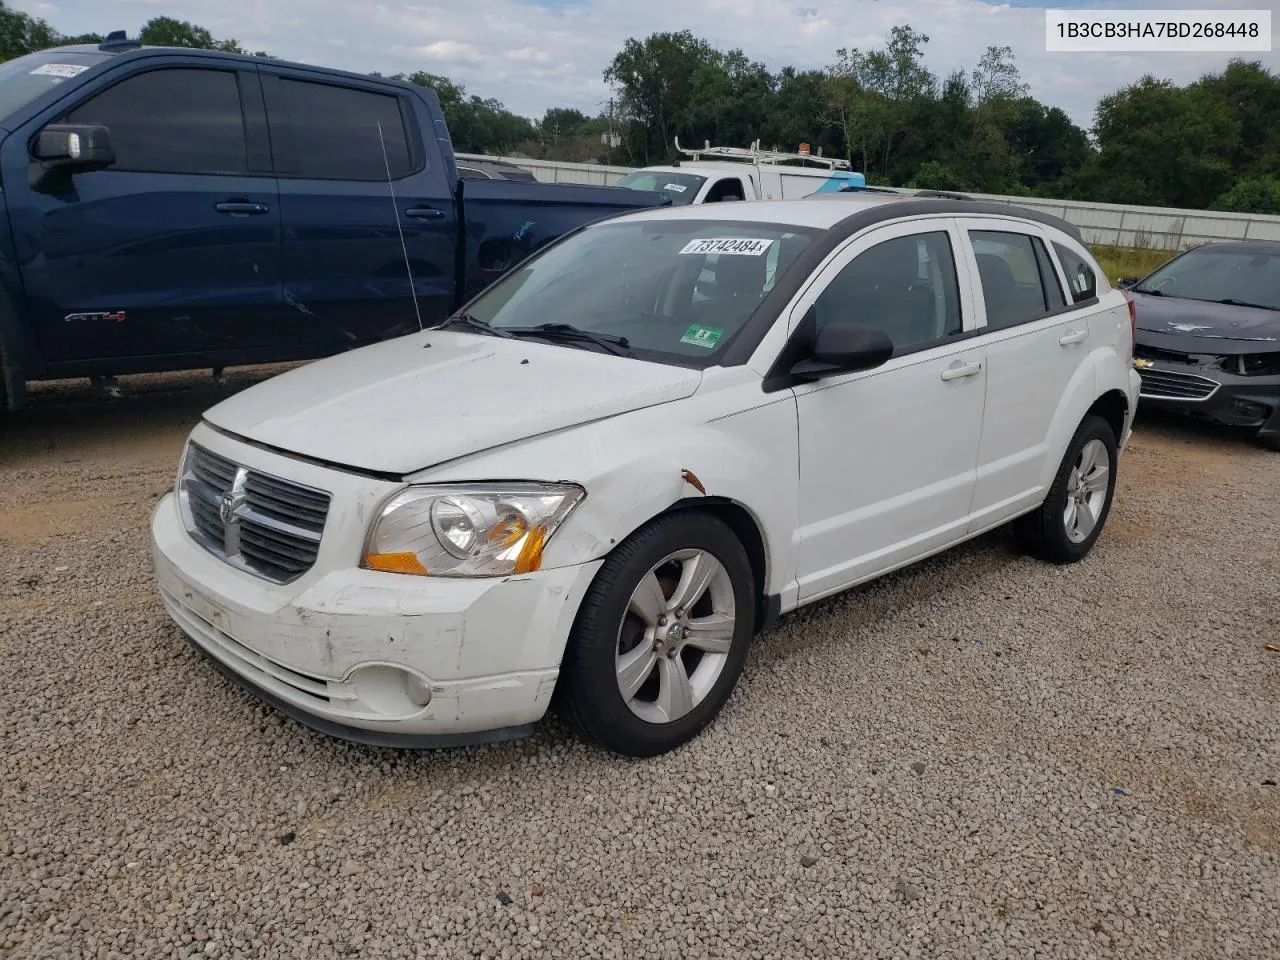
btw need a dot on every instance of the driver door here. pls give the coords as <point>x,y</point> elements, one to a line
<point>888,456</point>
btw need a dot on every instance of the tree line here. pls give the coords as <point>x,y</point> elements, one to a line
<point>1212,144</point>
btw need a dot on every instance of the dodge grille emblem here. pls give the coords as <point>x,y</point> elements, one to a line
<point>229,513</point>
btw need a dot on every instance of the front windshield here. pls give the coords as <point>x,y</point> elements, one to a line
<point>24,79</point>
<point>680,188</point>
<point>677,290</point>
<point>1242,275</point>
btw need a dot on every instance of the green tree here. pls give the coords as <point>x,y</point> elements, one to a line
<point>655,79</point>
<point>21,33</point>
<point>1162,145</point>
<point>475,125</point>
<point>168,32</point>
<point>1251,195</point>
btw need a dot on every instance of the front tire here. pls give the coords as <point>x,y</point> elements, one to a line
<point>661,636</point>
<point>1064,528</point>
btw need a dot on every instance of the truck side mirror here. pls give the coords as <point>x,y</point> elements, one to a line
<point>63,149</point>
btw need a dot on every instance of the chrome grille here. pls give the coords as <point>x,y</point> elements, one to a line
<point>1176,386</point>
<point>260,523</point>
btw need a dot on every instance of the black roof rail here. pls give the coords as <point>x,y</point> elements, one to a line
<point>118,40</point>
<point>942,195</point>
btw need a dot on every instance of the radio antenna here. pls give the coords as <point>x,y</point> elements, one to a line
<point>395,210</point>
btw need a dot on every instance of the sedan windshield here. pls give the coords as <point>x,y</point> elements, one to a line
<point>680,188</point>
<point>1242,277</point>
<point>675,291</point>
<point>24,79</point>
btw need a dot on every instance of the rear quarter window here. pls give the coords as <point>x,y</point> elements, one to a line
<point>1081,279</point>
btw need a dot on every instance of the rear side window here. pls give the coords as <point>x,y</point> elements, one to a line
<point>905,286</point>
<point>1080,276</point>
<point>178,120</point>
<point>332,133</point>
<point>1015,284</point>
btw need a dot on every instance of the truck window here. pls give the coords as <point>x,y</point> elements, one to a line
<point>333,131</point>
<point>178,120</point>
<point>730,188</point>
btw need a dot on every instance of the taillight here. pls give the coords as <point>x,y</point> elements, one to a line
<point>1133,319</point>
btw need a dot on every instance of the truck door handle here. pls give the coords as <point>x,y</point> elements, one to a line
<point>1072,336</point>
<point>424,213</point>
<point>240,208</point>
<point>961,369</point>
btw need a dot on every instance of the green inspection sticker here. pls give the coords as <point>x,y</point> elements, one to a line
<point>700,336</point>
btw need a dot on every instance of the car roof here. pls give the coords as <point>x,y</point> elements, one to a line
<point>131,52</point>
<point>824,211</point>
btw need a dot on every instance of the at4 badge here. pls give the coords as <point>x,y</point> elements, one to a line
<point>116,315</point>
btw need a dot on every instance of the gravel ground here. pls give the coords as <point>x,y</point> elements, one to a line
<point>980,757</point>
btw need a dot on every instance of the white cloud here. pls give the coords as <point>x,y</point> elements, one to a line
<point>450,50</point>
<point>535,54</point>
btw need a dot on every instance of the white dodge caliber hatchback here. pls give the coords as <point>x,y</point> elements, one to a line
<point>595,483</point>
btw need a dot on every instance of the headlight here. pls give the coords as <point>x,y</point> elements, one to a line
<point>469,531</point>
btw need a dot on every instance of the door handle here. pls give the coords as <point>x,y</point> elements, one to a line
<point>240,208</point>
<point>960,369</point>
<point>424,213</point>
<point>1072,336</point>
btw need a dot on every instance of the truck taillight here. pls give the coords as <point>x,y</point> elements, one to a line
<point>1133,320</point>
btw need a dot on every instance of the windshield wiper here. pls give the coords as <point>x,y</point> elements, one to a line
<point>1233,302</point>
<point>1149,293</point>
<point>474,323</point>
<point>568,333</point>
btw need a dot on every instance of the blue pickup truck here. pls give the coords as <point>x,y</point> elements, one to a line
<point>171,209</point>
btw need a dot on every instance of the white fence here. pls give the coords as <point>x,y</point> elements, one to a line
<point>1161,228</point>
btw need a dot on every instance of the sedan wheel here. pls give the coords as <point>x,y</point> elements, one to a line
<point>675,638</point>
<point>1064,528</point>
<point>660,637</point>
<point>1088,487</point>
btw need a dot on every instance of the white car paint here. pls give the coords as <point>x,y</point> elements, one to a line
<point>845,479</point>
<point>758,181</point>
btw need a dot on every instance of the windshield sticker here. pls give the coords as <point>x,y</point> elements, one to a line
<point>58,70</point>
<point>737,246</point>
<point>677,187</point>
<point>700,336</point>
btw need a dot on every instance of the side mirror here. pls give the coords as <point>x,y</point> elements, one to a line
<point>844,348</point>
<point>1124,283</point>
<point>63,149</point>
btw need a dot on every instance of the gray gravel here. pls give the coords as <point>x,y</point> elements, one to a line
<point>981,757</point>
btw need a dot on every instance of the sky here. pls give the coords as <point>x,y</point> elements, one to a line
<point>535,54</point>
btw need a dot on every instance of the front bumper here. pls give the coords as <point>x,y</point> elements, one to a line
<point>355,653</point>
<point>1211,393</point>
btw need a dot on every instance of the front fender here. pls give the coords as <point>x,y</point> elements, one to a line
<point>637,466</point>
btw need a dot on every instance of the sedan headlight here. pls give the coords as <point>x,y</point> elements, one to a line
<point>469,531</point>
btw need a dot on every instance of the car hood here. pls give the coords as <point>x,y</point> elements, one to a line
<point>1201,321</point>
<point>413,402</point>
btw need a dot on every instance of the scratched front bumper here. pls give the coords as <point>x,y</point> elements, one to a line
<point>337,646</point>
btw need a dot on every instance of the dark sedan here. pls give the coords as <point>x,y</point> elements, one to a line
<point>1208,339</point>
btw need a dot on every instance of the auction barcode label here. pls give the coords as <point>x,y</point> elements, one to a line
<point>1124,31</point>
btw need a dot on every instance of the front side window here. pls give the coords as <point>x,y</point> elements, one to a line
<point>338,133</point>
<point>677,290</point>
<point>906,286</point>
<point>175,120</point>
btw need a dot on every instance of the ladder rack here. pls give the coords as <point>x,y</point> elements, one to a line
<point>754,154</point>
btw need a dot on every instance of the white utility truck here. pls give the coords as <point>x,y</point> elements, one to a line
<point>734,173</point>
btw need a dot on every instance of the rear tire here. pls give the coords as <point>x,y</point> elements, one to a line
<point>1064,528</point>
<point>660,638</point>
